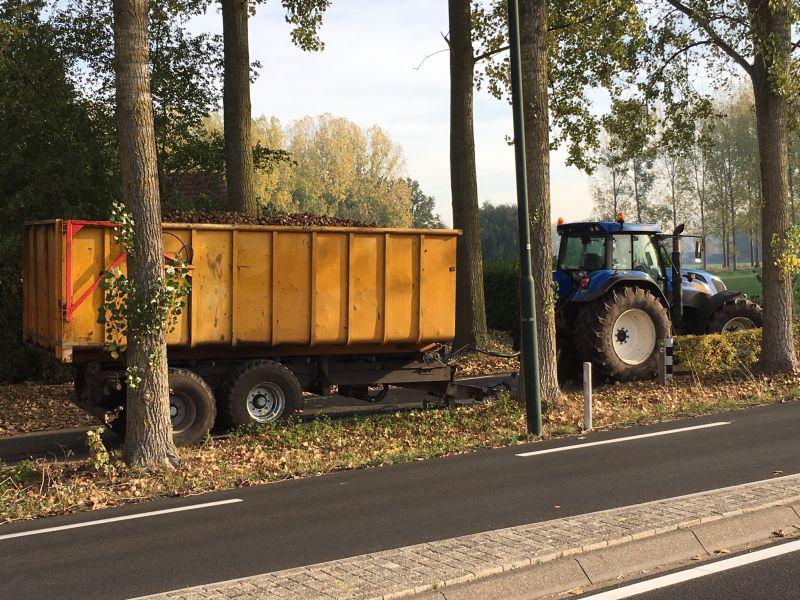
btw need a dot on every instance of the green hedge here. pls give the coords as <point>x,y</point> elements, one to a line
<point>722,354</point>
<point>501,293</point>
<point>19,361</point>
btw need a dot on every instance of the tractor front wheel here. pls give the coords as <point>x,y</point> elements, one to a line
<point>619,333</point>
<point>738,314</point>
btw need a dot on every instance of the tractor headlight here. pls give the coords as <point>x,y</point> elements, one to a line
<point>719,285</point>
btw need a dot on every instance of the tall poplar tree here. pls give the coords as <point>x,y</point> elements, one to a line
<point>148,437</point>
<point>470,307</point>
<point>306,17</point>
<point>755,37</point>
<point>567,47</point>
<point>534,47</point>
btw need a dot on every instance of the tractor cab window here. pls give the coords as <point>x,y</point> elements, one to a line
<point>583,253</point>
<point>665,250</point>
<point>645,256</point>
<point>621,252</point>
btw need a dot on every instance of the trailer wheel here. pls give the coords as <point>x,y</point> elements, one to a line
<point>261,391</point>
<point>738,314</point>
<point>192,407</point>
<point>619,333</point>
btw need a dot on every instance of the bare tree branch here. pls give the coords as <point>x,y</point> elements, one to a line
<point>490,53</point>
<point>712,33</point>
<point>683,50</point>
<point>427,56</point>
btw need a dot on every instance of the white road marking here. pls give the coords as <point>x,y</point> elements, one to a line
<point>701,571</point>
<point>623,439</point>
<point>152,513</point>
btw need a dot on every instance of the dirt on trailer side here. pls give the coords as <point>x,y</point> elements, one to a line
<point>234,218</point>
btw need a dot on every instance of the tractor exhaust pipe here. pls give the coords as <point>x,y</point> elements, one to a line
<point>677,278</point>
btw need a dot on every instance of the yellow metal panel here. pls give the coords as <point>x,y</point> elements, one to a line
<point>438,288</point>
<point>402,288</point>
<point>274,286</point>
<point>51,260</point>
<point>211,287</point>
<point>42,317</point>
<point>253,289</point>
<point>177,244</point>
<point>291,288</point>
<point>88,264</point>
<point>28,309</point>
<point>330,288</point>
<point>367,255</point>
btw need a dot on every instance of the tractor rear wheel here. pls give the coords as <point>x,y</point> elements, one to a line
<point>619,333</point>
<point>738,314</point>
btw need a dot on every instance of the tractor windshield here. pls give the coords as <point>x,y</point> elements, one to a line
<point>583,253</point>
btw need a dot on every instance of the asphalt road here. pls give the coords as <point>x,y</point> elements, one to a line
<point>343,514</point>
<point>775,578</point>
<point>71,443</point>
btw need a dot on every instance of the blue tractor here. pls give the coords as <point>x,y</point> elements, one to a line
<point>616,296</point>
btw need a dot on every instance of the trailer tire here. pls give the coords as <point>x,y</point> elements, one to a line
<point>193,407</point>
<point>261,391</point>
<point>191,398</point>
<point>738,314</point>
<point>629,315</point>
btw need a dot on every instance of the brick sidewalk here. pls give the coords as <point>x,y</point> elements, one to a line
<point>413,569</point>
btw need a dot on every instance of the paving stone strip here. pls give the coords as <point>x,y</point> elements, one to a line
<point>413,569</point>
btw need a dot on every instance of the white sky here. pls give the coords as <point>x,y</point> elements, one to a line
<point>367,75</point>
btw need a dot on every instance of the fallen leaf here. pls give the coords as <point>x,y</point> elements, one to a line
<point>781,533</point>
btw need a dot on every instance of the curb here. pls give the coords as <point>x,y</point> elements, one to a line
<point>699,521</point>
<point>582,572</point>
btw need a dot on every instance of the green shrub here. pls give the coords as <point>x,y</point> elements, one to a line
<point>501,292</point>
<point>721,354</point>
<point>19,361</point>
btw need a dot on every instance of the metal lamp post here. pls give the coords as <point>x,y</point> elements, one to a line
<point>530,343</point>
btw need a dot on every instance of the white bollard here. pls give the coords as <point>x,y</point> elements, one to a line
<point>587,396</point>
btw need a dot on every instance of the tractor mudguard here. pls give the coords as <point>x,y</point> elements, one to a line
<point>603,282</point>
<point>711,304</point>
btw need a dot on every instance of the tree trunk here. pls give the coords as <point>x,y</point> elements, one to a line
<point>778,354</point>
<point>636,191</point>
<point>672,175</point>
<point>791,194</point>
<point>239,170</point>
<point>700,187</point>
<point>724,241</point>
<point>148,436</point>
<point>533,28</point>
<point>470,308</point>
<point>732,208</point>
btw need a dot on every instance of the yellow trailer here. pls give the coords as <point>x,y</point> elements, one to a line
<point>324,306</point>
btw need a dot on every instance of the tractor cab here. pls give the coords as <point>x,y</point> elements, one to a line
<point>616,295</point>
<point>590,253</point>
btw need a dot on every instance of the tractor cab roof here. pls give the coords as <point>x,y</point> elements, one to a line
<point>606,227</point>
